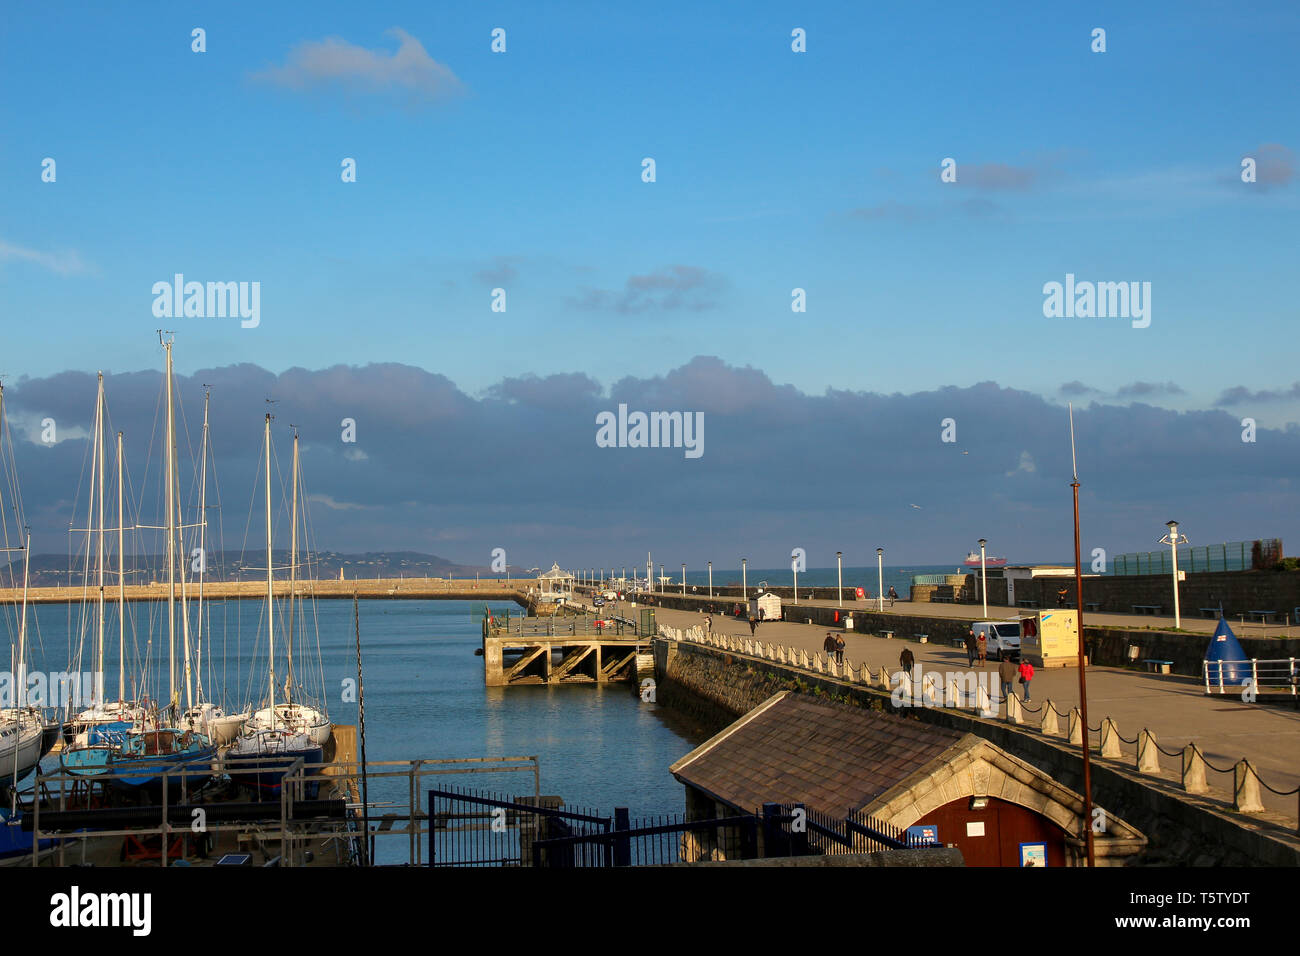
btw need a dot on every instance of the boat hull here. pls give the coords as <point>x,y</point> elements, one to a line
<point>266,772</point>
<point>24,740</point>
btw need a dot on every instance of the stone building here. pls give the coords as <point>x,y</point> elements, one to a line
<point>844,761</point>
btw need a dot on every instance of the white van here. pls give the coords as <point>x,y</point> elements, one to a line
<point>1001,637</point>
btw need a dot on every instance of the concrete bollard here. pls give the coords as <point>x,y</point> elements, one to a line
<point>1076,727</point>
<point>1110,739</point>
<point>1050,726</point>
<point>983,705</point>
<point>771,652</point>
<point>953,693</point>
<point>1245,788</point>
<point>929,690</point>
<point>1194,770</point>
<point>803,658</point>
<point>882,679</point>
<point>848,670</point>
<point>1015,710</point>
<point>905,682</point>
<point>780,654</point>
<point>832,667</point>
<point>1148,754</point>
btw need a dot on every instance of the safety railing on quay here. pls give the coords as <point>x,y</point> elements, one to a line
<point>955,692</point>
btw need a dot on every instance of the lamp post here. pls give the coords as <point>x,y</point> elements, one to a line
<point>839,590</point>
<point>794,566</point>
<point>661,579</point>
<point>744,588</point>
<point>984,579</point>
<point>1174,539</point>
<point>683,580</point>
<point>880,579</point>
<point>710,580</point>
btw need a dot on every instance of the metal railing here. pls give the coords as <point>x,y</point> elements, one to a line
<point>1224,677</point>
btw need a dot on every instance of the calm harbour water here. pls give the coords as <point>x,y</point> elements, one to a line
<point>598,747</point>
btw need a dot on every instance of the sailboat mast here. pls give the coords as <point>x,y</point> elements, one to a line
<point>97,679</point>
<point>121,580</point>
<point>171,544</point>
<point>203,527</point>
<point>22,625</point>
<point>293,566</point>
<point>270,573</point>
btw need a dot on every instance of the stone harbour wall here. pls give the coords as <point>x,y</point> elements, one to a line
<point>715,687</point>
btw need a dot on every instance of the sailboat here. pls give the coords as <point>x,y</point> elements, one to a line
<point>103,720</point>
<point>294,714</point>
<point>25,735</point>
<point>148,753</point>
<point>205,716</point>
<point>276,736</point>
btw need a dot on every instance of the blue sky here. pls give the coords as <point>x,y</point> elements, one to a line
<point>775,170</point>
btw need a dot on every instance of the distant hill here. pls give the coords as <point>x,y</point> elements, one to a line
<point>49,570</point>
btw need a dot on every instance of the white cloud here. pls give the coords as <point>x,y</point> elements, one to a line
<point>64,262</point>
<point>335,63</point>
<point>1026,465</point>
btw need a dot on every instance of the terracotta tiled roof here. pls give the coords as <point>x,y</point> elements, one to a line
<point>831,757</point>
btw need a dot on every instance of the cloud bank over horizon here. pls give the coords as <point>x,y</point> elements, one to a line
<point>438,470</point>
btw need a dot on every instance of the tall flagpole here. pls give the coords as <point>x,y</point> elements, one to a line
<point>1083,677</point>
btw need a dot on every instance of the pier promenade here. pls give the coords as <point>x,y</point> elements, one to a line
<point>1174,708</point>
<point>436,589</point>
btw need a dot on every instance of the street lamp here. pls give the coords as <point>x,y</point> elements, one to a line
<point>1174,539</point>
<point>794,566</point>
<point>744,590</point>
<point>880,579</point>
<point>683,580</point>
<point>661,579</point>
<point>710,580</point>
<point>839,563</point>
<point>984,579</point>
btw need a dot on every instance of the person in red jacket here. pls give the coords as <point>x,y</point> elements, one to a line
<point>1026,675</point>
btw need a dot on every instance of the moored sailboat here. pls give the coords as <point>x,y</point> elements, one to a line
<point>276,737</point>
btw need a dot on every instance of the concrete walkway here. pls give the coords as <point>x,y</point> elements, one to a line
<point>1193,621</point>
<point>1175,709</point>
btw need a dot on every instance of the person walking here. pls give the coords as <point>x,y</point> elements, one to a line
<point>907,660</point>
<point>1060,597</point>
<point>1007,671</point>
<point>839,649</point>
<point>1026,675</point>
<point>982,647</point>
<point>708,622</point>
<point>753,623</point>
<point>893,595</point>
<point>828,645</point>
<point>970,647</point>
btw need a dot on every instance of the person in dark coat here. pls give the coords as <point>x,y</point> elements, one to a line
<point>1007,671</point>
<point>753,623</point>
<point>907,660</point>
<point>839,650</point>
<point>828,645</point>
<point>970,648</point>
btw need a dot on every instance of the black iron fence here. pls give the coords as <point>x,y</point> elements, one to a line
<point>468,828</point>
